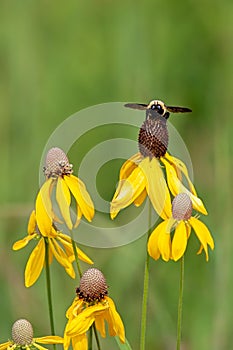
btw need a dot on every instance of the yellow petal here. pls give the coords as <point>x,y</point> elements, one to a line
<point>156,187</point>
<point>63,199</point>
<point>179,242</point>
<point>140,199</point>
<point>100,325</point>
<point>66,343</point>
<point>84,320</point>
<point>32,223</point>
<point>44,208</point>
<point>129,166</point>
<point>23,242</point>
<point>177,187</point>
<point>126,169</point>
<point>61,257</point>
<point>75,308</point>
<point>35,263</point>
<point>81,196</point>
<point>4,346</point>
<point>50,339</point>
<point>164,245</point>
<point>130,189</point>
<point>179,166</point>
<point>115,323</point>
<point>80,342</point>
<point>203,234</point>
<point>66,242</point>
<point>79,216</point>
<point>152,245</point>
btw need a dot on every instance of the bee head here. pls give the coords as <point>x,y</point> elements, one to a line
<point>156,107</point>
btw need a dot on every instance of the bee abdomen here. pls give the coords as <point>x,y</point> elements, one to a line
<point>153,138</point>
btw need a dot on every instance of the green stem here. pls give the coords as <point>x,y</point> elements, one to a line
<point>180,305</point>
<point>90,336</point>
<point>96,337</point>
<point>145,288</point>
<point>49,292</point>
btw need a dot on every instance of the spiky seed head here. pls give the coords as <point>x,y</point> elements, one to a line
<point>93,286</point>
<point>153,136</point>
<point>22,332</point>
<point>182,207</point>
<point>57,164</point>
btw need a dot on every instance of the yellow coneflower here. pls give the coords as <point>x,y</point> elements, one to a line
<point>22,338</point>
<point>169,239</point>
<point>91,306</point>
<point>59,175</point>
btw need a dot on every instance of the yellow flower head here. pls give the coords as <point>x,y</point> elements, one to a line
<point>59,246</point>
<point>163,242</point>
<point>143,175</point>
<point>92,305</point>
<point>22,338</point>
<point>59,174</point>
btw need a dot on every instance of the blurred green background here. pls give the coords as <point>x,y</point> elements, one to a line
<point>58,57</point>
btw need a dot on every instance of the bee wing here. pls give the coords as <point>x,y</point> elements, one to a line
<point>178,109</point>
<point>140,106</point>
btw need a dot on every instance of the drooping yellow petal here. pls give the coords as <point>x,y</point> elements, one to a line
<point>79,216</point>
<point>63,199</point>
<point>179,166</point>
<point>130,189</point>
<point>115,323</point>
<point>66,241</point>
<point>84,320</point>
<point>140,199</point>
<point>188,229</point>
<point>35,263</point>
<point>179,242</point>
<point>152,245</point>
<point>32,223</point>
<point>49,339</point>
<point>23,242</point>
<point>44,208</point>
<point>5,345</point>
<point>80,342</point>
<point>67,340</point>
<point>203,234</point>
<point>61,257</point>
<point>177,187</point>
<point>156,187</point>
<point>125,171</point>
<point>100,325</point>
<point>129,166</point>
<point>81,196</point>
<point>164,245</point>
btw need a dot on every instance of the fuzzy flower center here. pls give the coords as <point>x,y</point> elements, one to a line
<point>92,286</point>
<point>182,207</point>
<point>57,164</point>
<point>22,332</point>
